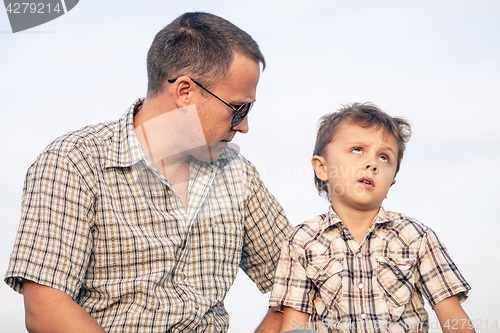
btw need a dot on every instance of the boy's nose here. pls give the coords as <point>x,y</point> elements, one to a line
<point>373,166</point>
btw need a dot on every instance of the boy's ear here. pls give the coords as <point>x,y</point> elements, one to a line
<point>319,166</point>
<point>392,183</point>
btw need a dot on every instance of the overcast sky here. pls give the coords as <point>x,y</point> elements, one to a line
<point>436,63</point>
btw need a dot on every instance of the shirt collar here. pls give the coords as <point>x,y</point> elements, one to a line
<point>125,149</point>
<point>332,218</point>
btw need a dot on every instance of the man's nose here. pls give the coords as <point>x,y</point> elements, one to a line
<point>242,127</point>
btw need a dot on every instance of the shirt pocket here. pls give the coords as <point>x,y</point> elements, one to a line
<point>396,278</point>
<point>326,274</point>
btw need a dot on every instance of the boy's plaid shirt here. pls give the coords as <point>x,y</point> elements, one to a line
<point>373,287</point>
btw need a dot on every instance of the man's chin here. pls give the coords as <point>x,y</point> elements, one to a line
<point>210,152</point>
<point>215,148</point>
<point>220,145</point>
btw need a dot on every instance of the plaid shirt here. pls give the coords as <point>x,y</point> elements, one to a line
<point>373,287</point>
<point>101,224</point>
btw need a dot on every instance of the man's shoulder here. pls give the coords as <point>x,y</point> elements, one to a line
<point>96,137</point>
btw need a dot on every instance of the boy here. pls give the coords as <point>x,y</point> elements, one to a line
<point>361,268</point>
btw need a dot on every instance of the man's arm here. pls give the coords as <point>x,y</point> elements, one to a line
<point>271,322</point>
<point>293,319</point>
<point>51,310</point>
<point>452,316</point>
<point>276,321</point>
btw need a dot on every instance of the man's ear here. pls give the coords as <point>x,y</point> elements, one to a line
<point>319,166</point>
<point>182,91</point>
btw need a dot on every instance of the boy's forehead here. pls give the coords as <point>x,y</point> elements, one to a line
<point>351,132</point>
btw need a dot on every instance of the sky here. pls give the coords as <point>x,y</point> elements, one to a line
<point>436,63</point>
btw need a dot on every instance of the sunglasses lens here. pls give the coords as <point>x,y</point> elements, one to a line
<point>241,113</point>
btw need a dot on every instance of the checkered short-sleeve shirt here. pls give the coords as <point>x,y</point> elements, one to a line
<point>376,286</point>
<point>101,224</point>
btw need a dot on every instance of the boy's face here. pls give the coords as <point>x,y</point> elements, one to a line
<point>359,166</point>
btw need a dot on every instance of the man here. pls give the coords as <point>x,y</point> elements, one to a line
<point>140,225</point>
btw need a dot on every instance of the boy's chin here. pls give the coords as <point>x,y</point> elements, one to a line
<point>359,205</point>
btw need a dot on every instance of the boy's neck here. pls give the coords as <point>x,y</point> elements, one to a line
<point>358,222</point>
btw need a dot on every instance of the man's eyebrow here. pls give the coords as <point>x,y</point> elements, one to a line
<point>240,103</point>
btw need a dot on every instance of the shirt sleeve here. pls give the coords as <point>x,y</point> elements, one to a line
<point>291,286</point>
<point>439,278</point>
<point>266,226</point>
<point>54,240</point>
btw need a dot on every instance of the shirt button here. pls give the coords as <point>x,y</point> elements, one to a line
<point>363,316</point>
<point>196,306</point>
<point>360,286</point>
<point>360,255</point>
<point>322,272</point>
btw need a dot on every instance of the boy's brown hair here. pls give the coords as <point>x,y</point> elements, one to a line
<point>364,115</point>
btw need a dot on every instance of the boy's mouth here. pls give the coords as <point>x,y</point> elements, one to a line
<point>366,182</point>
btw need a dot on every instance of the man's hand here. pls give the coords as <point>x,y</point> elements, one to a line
<point>449,311</point>
<point>51,310</point>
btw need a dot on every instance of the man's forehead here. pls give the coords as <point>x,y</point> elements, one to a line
<point>240,82</point>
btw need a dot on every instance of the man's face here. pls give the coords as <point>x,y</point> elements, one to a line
<point>360,163</point>
<point>239,87</point>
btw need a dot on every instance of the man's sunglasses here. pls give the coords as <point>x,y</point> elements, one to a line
<point>240,113</point>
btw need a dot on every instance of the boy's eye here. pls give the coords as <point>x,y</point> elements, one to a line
<point>384,158</point>
<point>356,150</point>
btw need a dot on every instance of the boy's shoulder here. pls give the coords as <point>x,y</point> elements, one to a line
<point>308,229</point>
<point>401,225</point>
<point>404,226</point>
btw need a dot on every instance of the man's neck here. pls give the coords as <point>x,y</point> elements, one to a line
<point>162,132</point>
<point>150,108</point>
